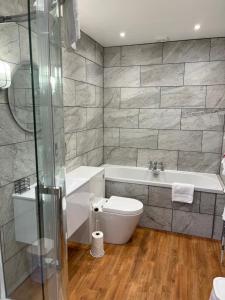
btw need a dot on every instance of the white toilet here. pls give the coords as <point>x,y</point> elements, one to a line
<point>218,291</point>
<point>118,218</point>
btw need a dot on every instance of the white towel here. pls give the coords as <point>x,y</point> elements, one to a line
<point>223,166</point>
<point>182,192</point>
<point>71,23</point>
<point>223,215</point>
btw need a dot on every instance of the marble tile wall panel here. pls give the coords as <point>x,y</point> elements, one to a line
<point>217,49</point>
<point>192,223</point>
<point>186,96</point>
<point>146,54</point>
<point>74,118</point>
<point>69,96</point>
<point>186,51</point>
<point>169,158</point>
<point>199,162</point>
<point>215,96</point>
<point>156,218</point>
<point>205,73</point>
<point>94,117</point>
<point>128,190</point>
<point>111,137</point>
<point>70,145</point>
<point>112,97</point>
<point>125,118</point>
<point>140,97</point>
<point>120,156</point>
<point>138,138</point>
<point>122,76</point>
<point>202,119</point>
<point>95,157</point>
<point>88,140</point>
<point>94,73</point>
<point>162,75</point>
<point>85,94</point>
<point>9,41</point>
<point>180,140</point>
<point>212,142</point>
<point>160,118</point>
<point>112,56</point>
<point>73,66</point>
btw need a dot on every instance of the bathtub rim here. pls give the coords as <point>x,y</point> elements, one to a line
<point>162,184</point>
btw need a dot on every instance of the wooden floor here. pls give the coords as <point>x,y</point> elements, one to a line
<point>154,265</point>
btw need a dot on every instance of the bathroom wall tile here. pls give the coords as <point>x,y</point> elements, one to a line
<point>139,138</point>
<point>199,162</point>
<point>215,96</point>
<point>127,118</point>
<point>212,142</point>
<point>10,132</point>
<point>76,162</point>
<point>17,269</point>
<point>220,204</point>
<point>140,97</point>
<point>7,158</point>
<point>120,156</point>
<point>85,94</point>
<point>186,51</point>
<point>162,75</point>
<point>9,7</point>
<point>99,54</point>
<point>94,73</point>
<point>160,197</point>
<point>218,228</point>
<point>193,207</point>
<point>156,218</point>
<point>70,145</point>
<point>24,45</point>
<point>107,189</point>
<point>129,190</point>
<point>69,96</point>
<point>122,77</point>
<point>217,49</point>
<point>73,66</point>
<point>111,136</point>
<point>141,54</point>
<point>99,96</point>
<point>160,118</point>
<point>207,203</point>
<point>6,203</point>
<point>185,96</point>
<point>180,140</point>
<point>112,57</point>
<point>112,97</point>
<point>169,158</point>
<point>74,119</point>
<point>89,140</point>
<point>202,119</point>
<point>11,246</point>
<point>94,117</point>
<point>9,41</point>
<point>192,223</point>
<point>95,157</point>
<point>205,73</point>
<point>86,47</point>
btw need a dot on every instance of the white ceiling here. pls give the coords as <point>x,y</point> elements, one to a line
<point>151,20</point>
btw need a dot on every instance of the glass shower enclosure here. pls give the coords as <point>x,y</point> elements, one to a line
<point>40,210</point>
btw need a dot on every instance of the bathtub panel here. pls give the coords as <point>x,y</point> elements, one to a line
<point>220,204</point>
<point>160,197</point>
<point>192,223</point>
<point>156,218</point>
<point>194,207</point>
<point>218,228</point>
<point>207,203</point>
<point>129,190</point>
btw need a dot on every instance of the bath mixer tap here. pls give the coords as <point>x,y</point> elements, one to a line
<point>153,166</point>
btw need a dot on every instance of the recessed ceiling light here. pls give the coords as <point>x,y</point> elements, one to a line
<point>197,27</point>
<point>122,34</point>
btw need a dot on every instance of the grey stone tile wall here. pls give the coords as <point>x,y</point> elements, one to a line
<point>175,88</point>
<point>201,218</point>
<point>83,103</point>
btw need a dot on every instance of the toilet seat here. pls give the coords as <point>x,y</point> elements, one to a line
<point>218,292</point>
<point>122,206</point>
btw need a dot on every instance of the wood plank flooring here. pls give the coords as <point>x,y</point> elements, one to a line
<point>154,265</point>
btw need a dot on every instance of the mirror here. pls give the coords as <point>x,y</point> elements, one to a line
<point>20,95</point>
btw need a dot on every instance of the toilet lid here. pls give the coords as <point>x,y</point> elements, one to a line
<point>123,206</point>
<point>219,287</point>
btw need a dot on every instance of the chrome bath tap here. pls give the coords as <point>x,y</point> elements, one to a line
<point>153,166</point>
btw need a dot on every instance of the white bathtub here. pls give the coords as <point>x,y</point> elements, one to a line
<point>203,182</point>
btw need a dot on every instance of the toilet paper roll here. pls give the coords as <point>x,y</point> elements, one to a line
<point>97,245</point>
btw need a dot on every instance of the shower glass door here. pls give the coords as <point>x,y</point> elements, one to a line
<point>46,67</point>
